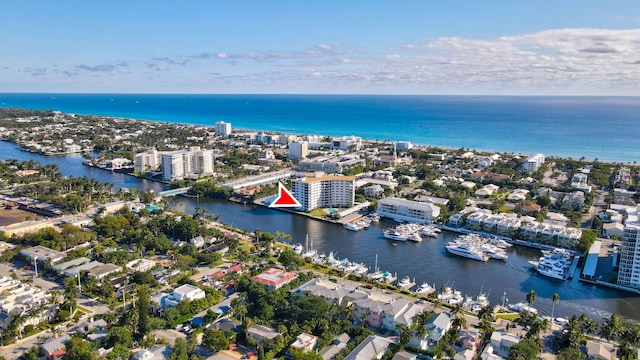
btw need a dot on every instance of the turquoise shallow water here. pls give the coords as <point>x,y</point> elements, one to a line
<point>592,127</point>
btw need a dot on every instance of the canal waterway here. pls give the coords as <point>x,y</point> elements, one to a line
<point>425,262</point>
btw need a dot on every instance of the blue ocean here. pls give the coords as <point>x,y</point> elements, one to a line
<point>606,128</point>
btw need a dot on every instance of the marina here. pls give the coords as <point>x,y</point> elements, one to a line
<point>427,262</point>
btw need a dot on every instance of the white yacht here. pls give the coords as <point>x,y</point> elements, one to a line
<point>414,237</point>
<point>445,294</point>
<point>467,251</point>
<point>396,235</point>
<point>425,289</point>
<point>457,298</point>
<point>430,231</point>
<point>405,283</point>
<point>351,226</point>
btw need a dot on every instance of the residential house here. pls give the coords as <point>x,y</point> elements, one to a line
<point>274,278</point>
<point>373,191</point>
<point>487,190</point>
<point>502,342</point>
<point>185,292</point>
<point>438,325</point>
<point>305,342</point>
<point>373,347</point>
<point>613,229</point>
<point>156,352</point>
<point>337,344</point>
<point>261,332</point>
<point>55,348</point>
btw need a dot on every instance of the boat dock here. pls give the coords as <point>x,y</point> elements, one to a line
<point>574,266</point>
<point>404,285</point>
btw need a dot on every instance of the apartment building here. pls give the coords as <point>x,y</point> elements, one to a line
<point>19,298</point>
<point>320,191</point>
<point>629,267</point>
<point>408,210</point>
<point>533,163</point>
<point>334,164</point>
<point>149,160</point>
<point>298,150</point>
<point>223,129</point>
<point>180,164</point>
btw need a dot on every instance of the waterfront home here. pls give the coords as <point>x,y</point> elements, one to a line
<point>331,292</point>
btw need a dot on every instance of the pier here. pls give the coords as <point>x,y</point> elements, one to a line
<point>574,266</point>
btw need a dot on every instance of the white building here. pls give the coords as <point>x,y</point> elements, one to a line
<point>533,162</point>
<point>629,267</point>
<point>180,164</point>
<point>149,160</point>
<point>298,150</point>
<point>185,292</point>
<point>335,164</point>
<point>404,145</point>
<point>324,191</point>
<point>407,210</point>
<point>223,129</point>
<point>346,143</point>
<point>173,165</point>
<point>19,298</point>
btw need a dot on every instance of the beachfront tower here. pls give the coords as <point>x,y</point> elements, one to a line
<point>223,129</point>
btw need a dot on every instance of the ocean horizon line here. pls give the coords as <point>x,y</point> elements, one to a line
<point>326,94</point>
<point>560,126</point>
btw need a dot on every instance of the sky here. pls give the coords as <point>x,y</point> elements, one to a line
<point>436,47</point>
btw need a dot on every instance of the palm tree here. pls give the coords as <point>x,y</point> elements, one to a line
<point>531,297</point>
<point>612,328</point>
<point>404,335</point>
<point>554,299</point>
<point>486,313</point>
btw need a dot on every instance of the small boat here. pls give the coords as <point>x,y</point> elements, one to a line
<point>352,227</point>
<point>445,294</point>
<point>457,298</point>
<point>405,283</point>
<point>298,248</point>
<point>425,289</point>
<point>414,237</point>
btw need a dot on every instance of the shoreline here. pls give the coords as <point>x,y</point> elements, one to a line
<point>425,142</point>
